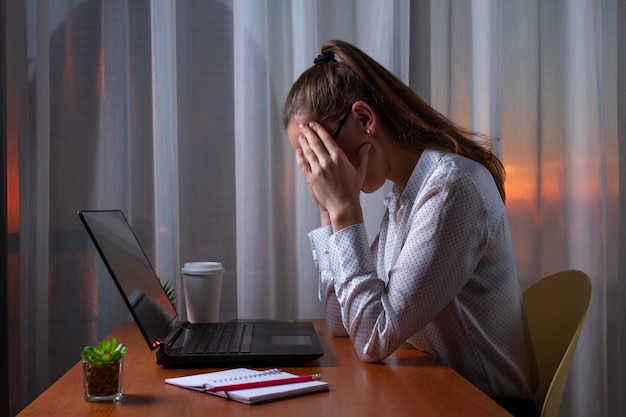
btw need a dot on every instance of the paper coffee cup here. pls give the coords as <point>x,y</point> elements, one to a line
<point>203,290</point>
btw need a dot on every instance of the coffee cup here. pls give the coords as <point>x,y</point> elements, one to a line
<point>202,282</point>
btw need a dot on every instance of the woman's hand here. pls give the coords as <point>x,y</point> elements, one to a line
<point>334,182</point>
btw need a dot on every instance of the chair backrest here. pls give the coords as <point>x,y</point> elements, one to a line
<point>556,307</point>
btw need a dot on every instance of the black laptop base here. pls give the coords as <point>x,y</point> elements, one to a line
<point>275,343</point>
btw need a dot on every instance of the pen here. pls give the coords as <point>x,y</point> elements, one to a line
<point>259,384</point>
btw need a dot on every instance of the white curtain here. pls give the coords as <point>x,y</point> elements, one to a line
<point>560,148</point>
<point>170,110</point>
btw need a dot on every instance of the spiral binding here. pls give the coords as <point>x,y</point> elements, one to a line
<point>215,382</point>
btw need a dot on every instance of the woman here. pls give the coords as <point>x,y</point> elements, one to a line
<point>441,274</point>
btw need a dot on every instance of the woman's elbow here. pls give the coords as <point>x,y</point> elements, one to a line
<point>370,355</point>
<point>335,328</point>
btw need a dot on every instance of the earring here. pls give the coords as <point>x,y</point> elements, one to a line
<point>368,132</point>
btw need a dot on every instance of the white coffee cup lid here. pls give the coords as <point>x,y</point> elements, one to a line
<point>200,268</point>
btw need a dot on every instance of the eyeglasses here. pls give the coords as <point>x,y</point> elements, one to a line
<point>342,121</point>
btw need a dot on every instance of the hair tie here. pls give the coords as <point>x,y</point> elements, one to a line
<point>324,58</point>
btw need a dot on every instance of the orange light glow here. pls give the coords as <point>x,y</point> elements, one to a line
<point>13,177</point>
<point>523,184</point>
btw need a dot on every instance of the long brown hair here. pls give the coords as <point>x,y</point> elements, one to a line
<point>326,90</point>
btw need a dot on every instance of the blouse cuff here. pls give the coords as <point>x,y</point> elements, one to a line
<point>320,247</point>
<point>351,253</point>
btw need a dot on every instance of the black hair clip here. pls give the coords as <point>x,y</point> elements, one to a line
<point>324,58</point>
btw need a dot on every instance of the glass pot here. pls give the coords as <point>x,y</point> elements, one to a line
<point>102,382</point>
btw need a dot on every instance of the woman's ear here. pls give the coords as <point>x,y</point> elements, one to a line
<point>366,115</point>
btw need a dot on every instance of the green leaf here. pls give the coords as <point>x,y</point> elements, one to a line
<point>106,352</point>
<point>170,291</point>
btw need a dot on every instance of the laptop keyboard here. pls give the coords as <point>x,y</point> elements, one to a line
<point>216,338</point>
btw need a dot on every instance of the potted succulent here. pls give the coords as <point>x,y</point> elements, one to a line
<point>102,370</point>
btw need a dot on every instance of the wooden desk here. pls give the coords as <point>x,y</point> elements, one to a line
<point>408,383</point>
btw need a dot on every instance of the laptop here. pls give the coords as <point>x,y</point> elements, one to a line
<point>180,343</point>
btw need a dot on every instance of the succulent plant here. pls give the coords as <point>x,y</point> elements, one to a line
<point>107,352</point>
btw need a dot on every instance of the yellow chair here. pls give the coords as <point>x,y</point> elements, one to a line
<point>556,307</point>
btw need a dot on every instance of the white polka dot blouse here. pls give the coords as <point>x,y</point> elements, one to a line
<point>440,275</point>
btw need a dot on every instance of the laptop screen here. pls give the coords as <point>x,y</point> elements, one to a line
<point>132,272</point>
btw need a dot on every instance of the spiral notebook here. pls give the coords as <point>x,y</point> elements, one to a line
<point>200,382</point>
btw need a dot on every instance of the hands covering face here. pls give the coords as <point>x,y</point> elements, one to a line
<point>334,181</point>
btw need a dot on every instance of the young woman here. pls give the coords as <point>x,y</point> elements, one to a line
<point>441,274</point>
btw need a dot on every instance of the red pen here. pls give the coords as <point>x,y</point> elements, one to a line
<point>259,384</point>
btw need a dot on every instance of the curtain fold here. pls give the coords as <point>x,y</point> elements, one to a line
<point>303,45</point>
<point>204,65</point>
<point>165,136</point>
<point>615,308</point>
<point>265,250</point>
<point>171,111</point>
<point>34,260</point>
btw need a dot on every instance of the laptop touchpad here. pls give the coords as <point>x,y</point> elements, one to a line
<point>291,340</point>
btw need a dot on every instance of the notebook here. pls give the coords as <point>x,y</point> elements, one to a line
<point>200,382</point>
<point>180,343</point>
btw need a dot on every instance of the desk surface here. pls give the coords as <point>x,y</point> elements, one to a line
<point>408,383</point>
